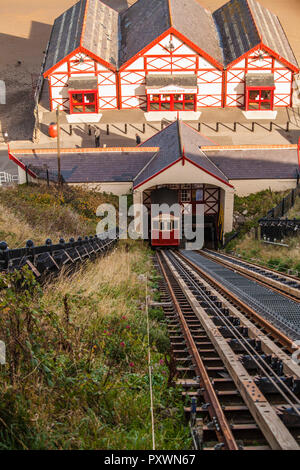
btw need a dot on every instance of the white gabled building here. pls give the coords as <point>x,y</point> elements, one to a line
<point>165,56</point>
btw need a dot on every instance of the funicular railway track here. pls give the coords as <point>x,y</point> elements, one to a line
<point>285,284</point>
<point>241,388</point>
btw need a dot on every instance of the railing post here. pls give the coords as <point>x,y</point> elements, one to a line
<point>287,126</point>
<point>252,126</point>
<point>199,126</point>
<point>217,126</point>
<point>271,126</point>
<point>125,128</point>
<point>144,128</point>
<point>107,129</point>
<point>234,126</point>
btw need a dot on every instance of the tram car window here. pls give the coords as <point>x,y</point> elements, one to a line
<point>165,230</point>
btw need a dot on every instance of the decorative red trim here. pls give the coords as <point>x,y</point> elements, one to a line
<point>21,165</point>
<point>61,62</point>
<point>209,173</point>
<point>180,36</point>
<point>280,59</point>
<point>243,56</point>
<point>197,49</point>
<point>143,51</point>
<point>158,173</point>
<point>83,92</point>
<point>76,51</point>
<point>174,163</point>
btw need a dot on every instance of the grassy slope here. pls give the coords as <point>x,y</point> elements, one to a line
<point>294,212</point>
<point>76,375</point>
<point>38,211</point>
<point>257,205</point>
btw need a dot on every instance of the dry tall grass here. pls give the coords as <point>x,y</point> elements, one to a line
<point>264,253</point>
<point>114,278</point>
<point>16,231</point>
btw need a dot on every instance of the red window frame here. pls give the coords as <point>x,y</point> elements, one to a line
<point>83,103</point>
<point>163,98</point>
<point>260,100</point>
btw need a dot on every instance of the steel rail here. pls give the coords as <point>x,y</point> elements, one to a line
<point>266,282</point>
<point>276,333</point>
<point>248,348</point>
<point>255,265</point>
<point>274,430</point>
<point>230,441</point>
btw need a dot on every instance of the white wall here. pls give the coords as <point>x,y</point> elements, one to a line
<point>89,68</point>
<point>235,82</point>
<point>132,79</point>
<point>246,187</point>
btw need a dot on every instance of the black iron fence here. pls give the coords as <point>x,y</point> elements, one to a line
<point>51,258</point>
<point>272,227</point>
<point>285,204</point>
<point>276,230</point>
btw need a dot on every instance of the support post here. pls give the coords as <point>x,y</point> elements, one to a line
<point>234,126</point>
<point>126,130</point>
<point>58,145</point>
<point>287,129</point>
<point>71,129</point>
<point>107,129</point>
<point>252,126</point>
<point>144,128</point>
<point>199,126</point>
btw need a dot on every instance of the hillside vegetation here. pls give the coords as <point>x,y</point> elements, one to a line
<point>37,211</point>
<point>76,372</point>
<point>248,210</point>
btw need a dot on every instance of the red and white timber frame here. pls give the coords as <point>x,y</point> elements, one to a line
<point>170,54</point>
<point>259,60</point>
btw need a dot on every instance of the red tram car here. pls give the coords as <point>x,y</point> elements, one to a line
<point>165,230</point>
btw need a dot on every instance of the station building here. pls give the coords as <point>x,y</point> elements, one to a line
<point>179,158</point>
<point>168,56</point>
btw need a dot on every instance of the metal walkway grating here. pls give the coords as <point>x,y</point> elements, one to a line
<point>281,311</point>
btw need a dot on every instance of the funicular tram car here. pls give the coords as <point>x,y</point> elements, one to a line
<point>165,226</point>
<point>165,230</point>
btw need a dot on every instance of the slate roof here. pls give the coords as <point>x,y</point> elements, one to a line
<point>169,151</point>
<point>92,167</point>
<point>173,141</point>
<point>225,35</point>
<point>243,24</point>
<point>256,163</point>
<point>162,150</point>
<point>141,24</point>
<point>65,34</point>
<point>272,32</point>
<point>197,24</point>
<point>144,21</point>
<point>89,23</point>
